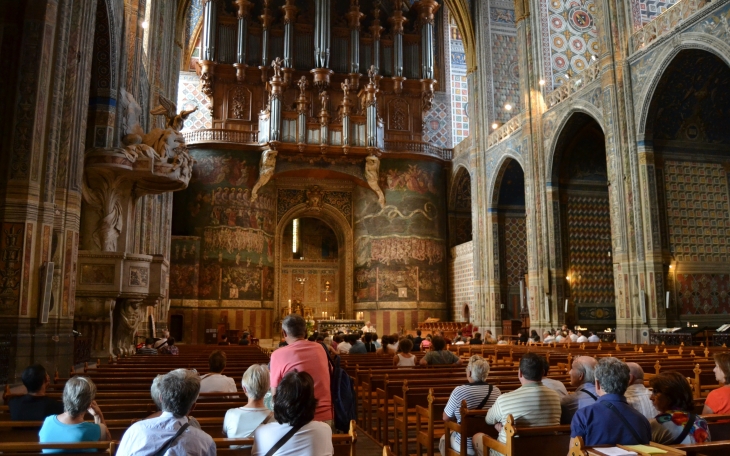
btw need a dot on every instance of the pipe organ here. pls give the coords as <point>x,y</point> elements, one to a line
<point>320,76</point>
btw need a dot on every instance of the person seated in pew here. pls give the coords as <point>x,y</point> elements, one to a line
<point>478,395</point>
<point>241,422</point>
<point>637,395</point>
<point>376,341</point>
<point>446,339</point>
<point>559,338</point>
<point>346,344</point>
<point>35,405</point>
<point>427,343</point>
<point>369,344</point>
<point>417,341</point>
<point>547,338</point>
<point>244,340</point>
<point>159,343</point>
<point>385,347</point>
<point>611,420</point>
<point>295,431</point>
<point>358,346</point>
<point>534,337</point>
<point>581,376</point>
<point>393,345</point>
<point>501,340</point>
<point>593,337</point>
<point>488,338</point>
<point>404,357</point>
<point>177,392</point>
<point>460,341</point>
<point>439,354</point>
<point>155,394</point>
<point>554,385</point>
<point>477,339</point>
<point>69,426</point>
<point>581,338</point>
<point>676,423</point>
<point>169,348</point>
<point>572,336</point>
<point>368,328</point>
<point>718,401</point>
<point>147,349</point>
<point>532,404</point>
<point>215,381</point>
<point>224,340</point>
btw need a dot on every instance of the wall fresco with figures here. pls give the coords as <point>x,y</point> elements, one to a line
<point>231,250</point>
<point>400,249</point>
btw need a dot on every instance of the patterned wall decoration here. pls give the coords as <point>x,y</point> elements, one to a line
<point>459,87</point>
<point>645,11</point>
<point>569,32</point>
<point>11,260</point>
<point>237,241</point>
<point>703,294</point>
<point>460,224</point>
<point>698,215</point>
<point>693,99</point>
<point>461,277</point>
<point>189,96</point>
<point>589,232</point>
<point>437,121</point>
<point>515,249</point>
<point>504,55</point>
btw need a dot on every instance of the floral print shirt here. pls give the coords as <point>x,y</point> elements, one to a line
<point>666,427</point>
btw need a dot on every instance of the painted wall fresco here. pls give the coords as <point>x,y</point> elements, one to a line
<point>184,273</point>
<point>400,249</point>
<point>236,235</point>
<point>459,87</point>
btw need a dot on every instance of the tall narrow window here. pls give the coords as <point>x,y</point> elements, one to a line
<point>295,236</point>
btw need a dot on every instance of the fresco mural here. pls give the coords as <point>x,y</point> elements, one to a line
<point>186,260</point>
<point>400,249</point>
<point>234,256</point>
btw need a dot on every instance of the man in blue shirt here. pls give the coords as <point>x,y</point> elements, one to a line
<point>611,420</point>
<point>357,345</point>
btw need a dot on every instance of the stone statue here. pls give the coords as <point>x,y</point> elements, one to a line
<point>127,315</point>
<point>314,197</point>
<point>372,175</point>
<point>131,112</point>
<point>266,170</point>
<point>166,141</point>
<point>167,108</point>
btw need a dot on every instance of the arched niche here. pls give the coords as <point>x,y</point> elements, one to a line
<point>686,148</point>
<point>581,226</point>
<point>337,222</point>
<point>507,210</point>
<point>460,216</point>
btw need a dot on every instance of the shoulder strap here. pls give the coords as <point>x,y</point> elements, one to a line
<point>686,430</point>
<point>167,444</point>
<point>486,398</point>
<point>595,398</point>
<point>623,420</point>
<point>283,440</point>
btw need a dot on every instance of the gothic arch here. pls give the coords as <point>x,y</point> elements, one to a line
<point>558,139</point>
<point>459,10</point>
<point>496,178</point>
<point>460,207</point>
<point>690,41</point>
<point>342,230</point>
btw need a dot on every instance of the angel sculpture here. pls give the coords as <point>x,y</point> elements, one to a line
<point>266,170</point>
<point>168,109</point>
<point>372,175</point>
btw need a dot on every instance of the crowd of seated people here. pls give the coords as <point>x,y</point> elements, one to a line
<point>610,404</point>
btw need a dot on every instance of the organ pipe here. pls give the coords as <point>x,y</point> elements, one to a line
<point>210,29</point>
<point>322,33</point>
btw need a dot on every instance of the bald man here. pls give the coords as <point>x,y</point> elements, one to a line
<point>583,378</point>
<point>637,395</point>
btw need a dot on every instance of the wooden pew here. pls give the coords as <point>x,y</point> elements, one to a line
<point>27,449</point>
<point>427,420</point>
<point>542,440</point>
<point>472,422</point>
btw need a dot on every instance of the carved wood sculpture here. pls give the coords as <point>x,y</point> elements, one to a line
<point>266,170</point>
<point>372,174</point>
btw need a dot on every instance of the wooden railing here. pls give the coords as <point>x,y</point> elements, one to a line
<point>666,22</point>
<point>220,136</point>
<point>418,148</point>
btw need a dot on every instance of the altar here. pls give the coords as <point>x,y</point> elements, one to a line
<point>333,326</point>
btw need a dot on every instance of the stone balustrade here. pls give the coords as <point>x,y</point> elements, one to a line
<point>666,22</point>
<point>506,130</point>
<point>572,86</point>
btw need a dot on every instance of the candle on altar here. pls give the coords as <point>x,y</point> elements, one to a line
<point>290,306</point>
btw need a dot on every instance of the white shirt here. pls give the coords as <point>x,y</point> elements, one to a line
<point>549,340</point>
<point>555,385</point>
<point>313,439</point>
<point>148,436</point>
<point>240,423</point>
<point>574,337</point>
<point>217,383</point>
<point>582,339</point>
<point>638,396</point>
<point>368,329</point>
<point>594,338</point>
<point>461,342</point>
<point>559,339</point>
<point>344,347</point>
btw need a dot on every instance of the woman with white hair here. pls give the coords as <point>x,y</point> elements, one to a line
<point>478,394</point>
<point>69,426</point>
<point>240,422</point>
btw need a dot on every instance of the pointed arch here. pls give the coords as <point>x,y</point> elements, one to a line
<point>460,12</point>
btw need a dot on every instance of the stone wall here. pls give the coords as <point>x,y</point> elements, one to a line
<point>461,279</point>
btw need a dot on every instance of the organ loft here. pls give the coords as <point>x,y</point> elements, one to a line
<point>210,166</point>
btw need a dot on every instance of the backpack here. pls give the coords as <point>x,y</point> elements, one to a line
<point>344,405</point>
